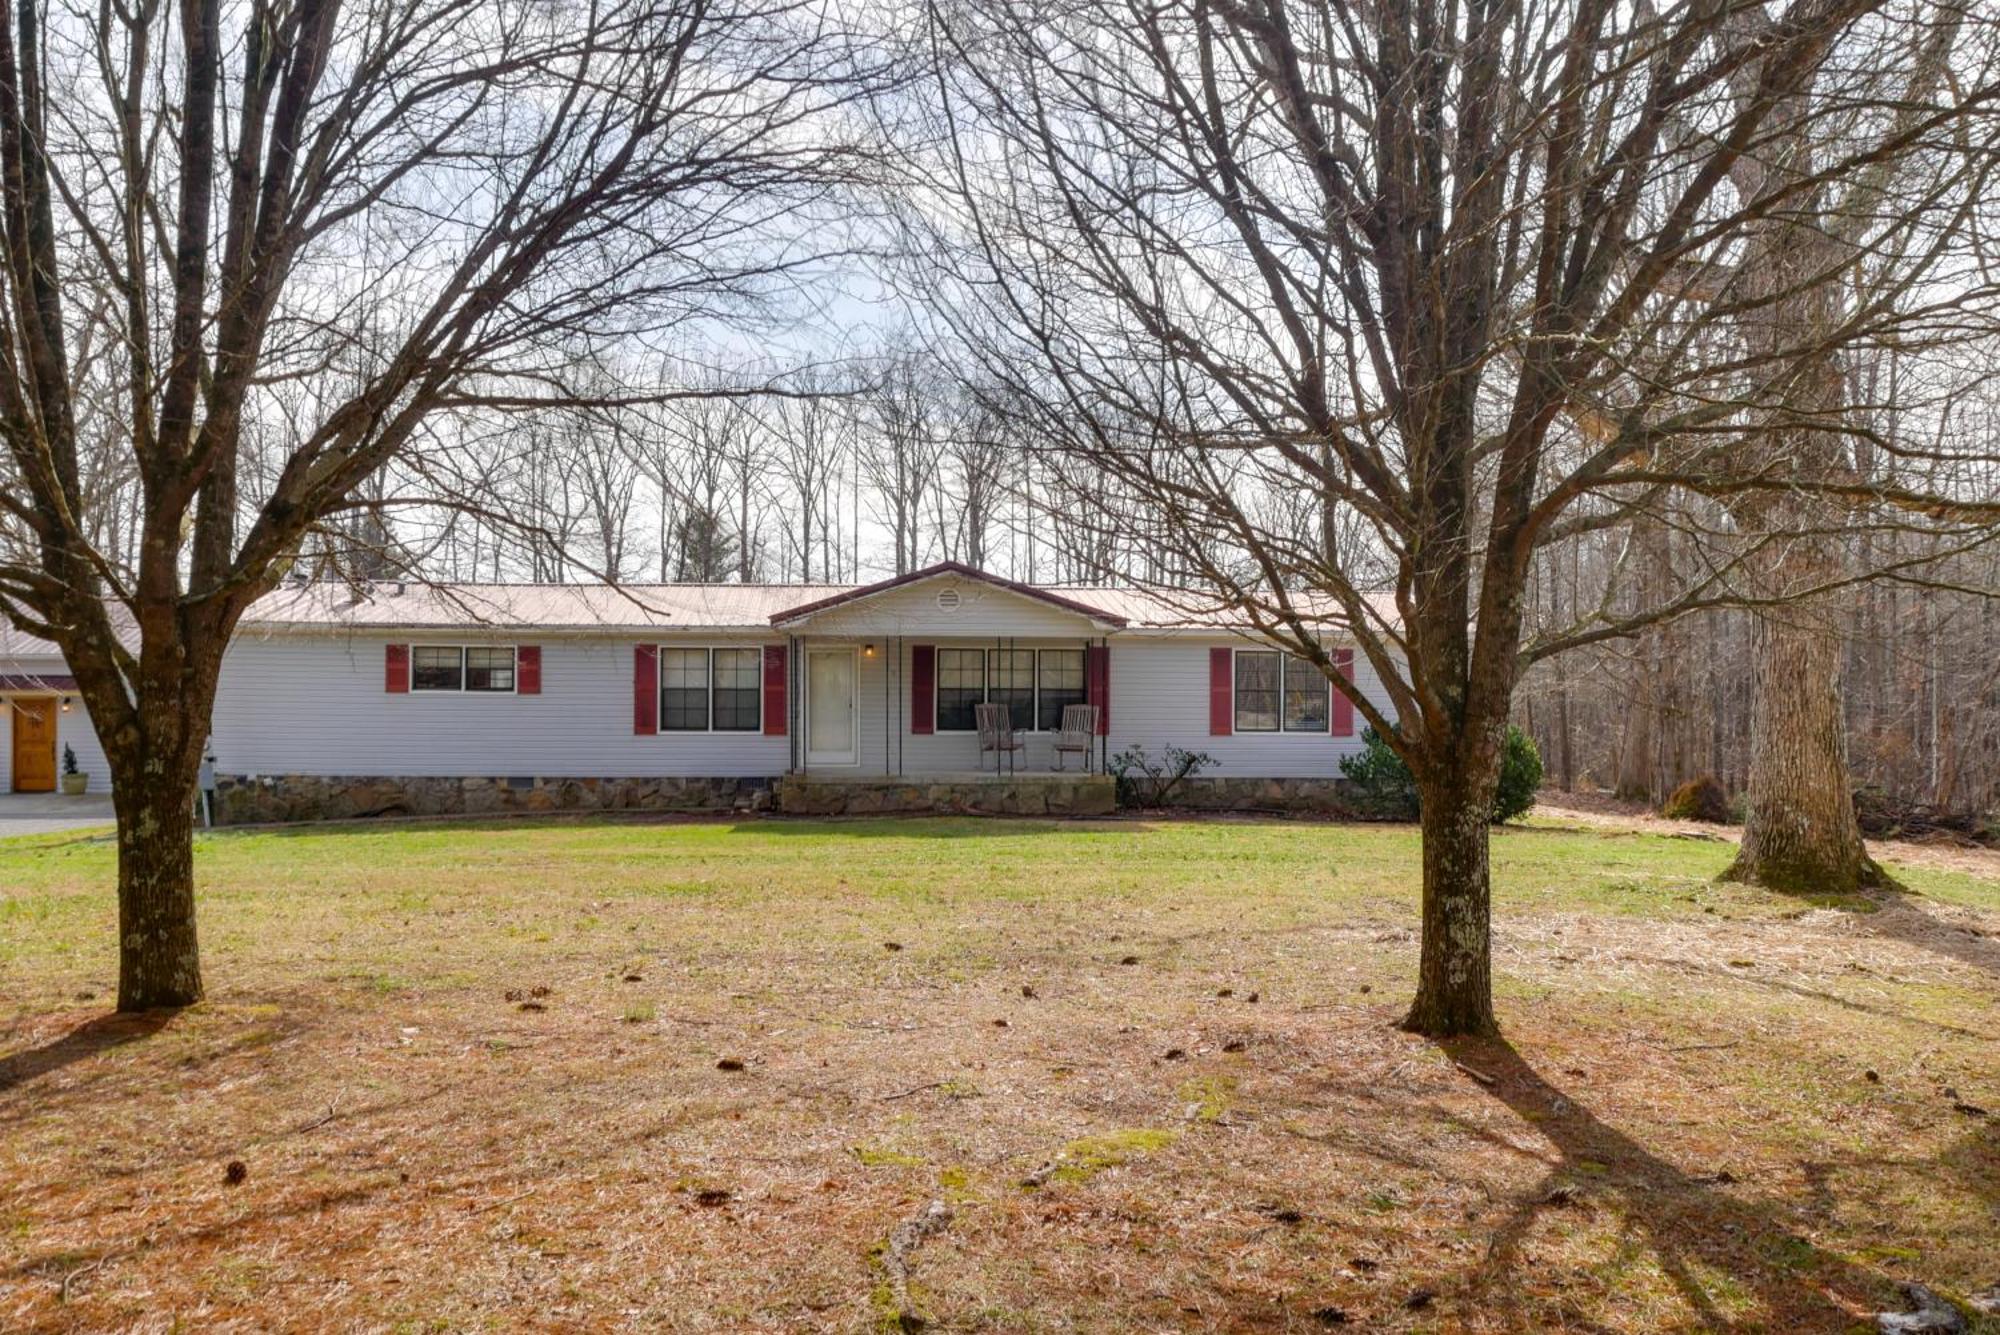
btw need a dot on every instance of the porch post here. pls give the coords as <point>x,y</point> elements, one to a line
<point>1104,738</point>
<point>795,693</point>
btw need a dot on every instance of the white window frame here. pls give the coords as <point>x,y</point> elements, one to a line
<point>708,652</point>
<point>464,676</point>
<point>1236,676</point>
<point>985,653</point>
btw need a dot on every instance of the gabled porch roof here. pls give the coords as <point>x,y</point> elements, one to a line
<point>1099,617</point>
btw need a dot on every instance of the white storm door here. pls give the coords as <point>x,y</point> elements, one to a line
<point>831,726</point>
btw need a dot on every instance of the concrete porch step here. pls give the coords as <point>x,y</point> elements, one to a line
<point>967,794</point>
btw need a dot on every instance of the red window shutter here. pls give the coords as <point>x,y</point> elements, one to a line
<point>774,690</point>
<point>1221,692</point>
<point>1097,683</point>
<point>923,689</point>
<point>646,690</point>
<point>528,669</point>
<point>396,670</point>
<point>1343,708</point>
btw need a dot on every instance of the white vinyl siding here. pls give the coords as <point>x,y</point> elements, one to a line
<point>315,704</point>
<point>1159,698</point>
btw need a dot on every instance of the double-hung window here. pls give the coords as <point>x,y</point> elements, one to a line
<point>1277,692</point>
<point>961,684</point>
<point>683,690</point>
<point>1059,685</point>
<point>1013,684</point>
<point>456,667</point>
<point>437,667</point>
<point>711,690</point>
<point>489,669</point>
<point>739,704</point>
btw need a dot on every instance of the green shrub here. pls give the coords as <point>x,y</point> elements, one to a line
<point>1520,777</point>
<point>1380,784</point>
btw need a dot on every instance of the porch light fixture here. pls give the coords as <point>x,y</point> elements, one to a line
<point>65,704</point>
<point>867,651</point>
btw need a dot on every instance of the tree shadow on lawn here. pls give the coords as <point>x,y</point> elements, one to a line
<point>25,1095</point>
<point>1685,1222</point>
<point>96,1035</point>
<point>1898,917</point>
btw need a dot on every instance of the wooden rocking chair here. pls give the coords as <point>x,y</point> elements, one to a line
<point>1078,733</point>
<point>996,734</point>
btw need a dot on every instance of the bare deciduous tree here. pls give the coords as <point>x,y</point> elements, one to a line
<point>209,210</point>
<point>1452,273</point>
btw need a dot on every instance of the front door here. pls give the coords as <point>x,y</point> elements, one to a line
<point>831,727</point>
<point>34,745</point>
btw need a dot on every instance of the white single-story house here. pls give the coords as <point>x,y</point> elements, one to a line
<point>408,697</point>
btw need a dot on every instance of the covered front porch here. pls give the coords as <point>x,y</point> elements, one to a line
<point>886,684</point>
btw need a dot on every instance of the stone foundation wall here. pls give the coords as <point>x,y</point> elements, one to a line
<point>240,800</point>
<point>276,798</point>
<point>1320,797</point>
<point>1038,795</point>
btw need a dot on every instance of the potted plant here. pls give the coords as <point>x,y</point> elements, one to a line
<point>74,780</point>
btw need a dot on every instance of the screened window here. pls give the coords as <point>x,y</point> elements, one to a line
<point>1013,685</point>
<point>1258,686</point>
<point>437,668</point>
<point>961,684</point>
<point>1306,696</point>
<point>684,690</point>
<point>489,669</point>
<point>738,690</point>
<point>1061,683</point>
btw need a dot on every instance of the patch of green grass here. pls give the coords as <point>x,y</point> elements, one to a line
<point>1208,1095</point>
<point>1085,1158</point>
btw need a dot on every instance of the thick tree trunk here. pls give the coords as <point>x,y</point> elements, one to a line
<point>1454,974</point>
<point>1635,749</point>
<point>159,961</point>
<point>1801,835</point>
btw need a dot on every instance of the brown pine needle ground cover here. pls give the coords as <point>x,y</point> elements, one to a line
<point>1001,1076</point>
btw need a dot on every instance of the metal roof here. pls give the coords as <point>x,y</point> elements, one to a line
<point>588,608</point>
<point>570,607</point>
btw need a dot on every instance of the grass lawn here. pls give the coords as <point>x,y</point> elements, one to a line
<point>473,1076</point>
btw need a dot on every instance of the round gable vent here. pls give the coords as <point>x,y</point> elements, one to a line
<point>948,600</point>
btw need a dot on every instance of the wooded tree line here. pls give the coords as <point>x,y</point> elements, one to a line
<point>1920,693</point>
<point>884,462</point>
<point>1620,370</point>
